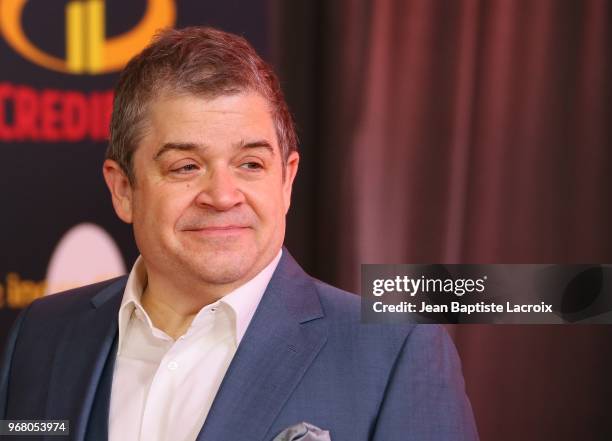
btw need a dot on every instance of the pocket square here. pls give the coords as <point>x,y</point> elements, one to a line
<point>303,432</point>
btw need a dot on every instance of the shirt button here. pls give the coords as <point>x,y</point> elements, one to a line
<point>173,365</point>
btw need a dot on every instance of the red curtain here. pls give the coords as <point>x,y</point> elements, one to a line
<point>474,131</point>
<point>484,133</point>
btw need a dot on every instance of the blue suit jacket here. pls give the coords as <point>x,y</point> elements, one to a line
<point>304,357</point>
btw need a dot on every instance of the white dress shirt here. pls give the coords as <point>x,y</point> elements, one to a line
<point>163,388</point>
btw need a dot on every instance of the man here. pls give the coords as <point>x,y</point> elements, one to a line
<point>217,333</point>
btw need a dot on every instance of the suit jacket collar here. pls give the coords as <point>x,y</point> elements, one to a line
<point>277,349</point>
<point>83,352</point>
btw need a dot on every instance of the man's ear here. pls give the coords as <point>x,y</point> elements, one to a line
<point>290,171</point>
<point>120,189</point>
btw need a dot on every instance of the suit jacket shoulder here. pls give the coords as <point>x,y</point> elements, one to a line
<point>56,350</point>
<point>342,310</point>
<point>62,306</point>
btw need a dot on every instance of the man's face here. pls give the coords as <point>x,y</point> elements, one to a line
<point>209,201</point>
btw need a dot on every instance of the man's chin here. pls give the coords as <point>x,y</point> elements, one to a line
<point>225,276</point>
<point>221,268</point>
<point>218,238</point>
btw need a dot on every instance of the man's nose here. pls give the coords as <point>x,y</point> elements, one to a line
<point>220,190</point>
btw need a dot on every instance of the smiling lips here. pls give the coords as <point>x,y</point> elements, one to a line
<point>218,230</point>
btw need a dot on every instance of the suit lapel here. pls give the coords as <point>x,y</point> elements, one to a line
<point>81,358</point>
<point>274,354</point>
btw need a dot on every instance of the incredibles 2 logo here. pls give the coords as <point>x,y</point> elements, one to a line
<point>88,51</point>
<point>51,115</point>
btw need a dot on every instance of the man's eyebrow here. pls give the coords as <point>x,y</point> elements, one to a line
<point>183,146</point>
<point>189,146</point>
<point>256,144</point>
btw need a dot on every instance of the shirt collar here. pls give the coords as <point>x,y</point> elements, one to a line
<point>243,301</point>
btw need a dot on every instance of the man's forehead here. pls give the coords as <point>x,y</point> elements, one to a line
<point>232,101</point>
<point>243,120</point>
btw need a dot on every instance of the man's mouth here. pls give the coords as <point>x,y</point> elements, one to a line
<point>218,230</point>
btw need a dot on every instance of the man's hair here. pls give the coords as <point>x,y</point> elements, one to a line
<point>200,61</point>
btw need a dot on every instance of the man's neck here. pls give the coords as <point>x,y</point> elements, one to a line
<point>166,316</point>
<point>172,308</point>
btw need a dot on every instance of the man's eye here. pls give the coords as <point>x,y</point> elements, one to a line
<point>185,168</point>
<point>252,165</point>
